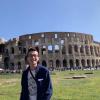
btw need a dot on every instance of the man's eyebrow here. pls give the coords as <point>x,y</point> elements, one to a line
<point>33,54</point>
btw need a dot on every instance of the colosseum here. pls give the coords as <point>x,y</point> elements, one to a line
<point>57,50</point>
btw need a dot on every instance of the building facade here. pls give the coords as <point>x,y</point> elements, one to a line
<point>69,50</point>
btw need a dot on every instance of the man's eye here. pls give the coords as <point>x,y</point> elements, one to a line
<point>33,55</point>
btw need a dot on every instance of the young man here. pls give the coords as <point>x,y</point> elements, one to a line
<point>36,83</point>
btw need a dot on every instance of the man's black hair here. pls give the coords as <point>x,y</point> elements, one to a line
<point>33,49</point>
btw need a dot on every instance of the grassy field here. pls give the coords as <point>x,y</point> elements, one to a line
<point>64,86</point>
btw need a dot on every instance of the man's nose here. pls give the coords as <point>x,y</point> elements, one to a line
<point>33,57</point>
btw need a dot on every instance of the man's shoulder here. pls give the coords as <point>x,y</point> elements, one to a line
<point>26,70</point>
<point>43,68</point>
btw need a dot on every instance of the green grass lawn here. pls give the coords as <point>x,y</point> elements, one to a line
<point>64,86</point>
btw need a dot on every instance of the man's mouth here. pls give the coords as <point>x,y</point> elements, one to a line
<point>33,60</point>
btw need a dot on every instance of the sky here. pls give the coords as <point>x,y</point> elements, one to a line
<point>19,17</point>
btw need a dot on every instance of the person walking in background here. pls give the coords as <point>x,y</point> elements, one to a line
<point>36,82</point>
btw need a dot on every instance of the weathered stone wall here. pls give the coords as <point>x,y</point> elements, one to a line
<point>56,50</point>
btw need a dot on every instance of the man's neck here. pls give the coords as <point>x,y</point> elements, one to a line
<point>33,67</point>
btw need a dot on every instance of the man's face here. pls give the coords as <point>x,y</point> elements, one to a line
<point>33,58</point>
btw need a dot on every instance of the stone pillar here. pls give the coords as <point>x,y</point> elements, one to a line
<point>84,50</point>
<point>60,51</point>
<point>85,62</point>
<point>80,64</point>
<point>66,46</point>
<point>89,50</point>
<point>68,65</point>
<point>74,62</point>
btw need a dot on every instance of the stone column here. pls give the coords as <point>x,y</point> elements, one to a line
<point>60,51</point>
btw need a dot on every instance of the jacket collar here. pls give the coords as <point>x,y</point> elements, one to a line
<point>36,69</point>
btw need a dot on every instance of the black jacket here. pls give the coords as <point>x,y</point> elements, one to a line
<point>44,87</point>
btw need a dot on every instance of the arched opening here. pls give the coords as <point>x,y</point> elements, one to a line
<point>57,63</point>
<point>2,48</point>
<point>70,49</point>
<point>82,49</point>
<point>76,48</point>
<point>6,62</point>
<point>19,65</point>
<point>77,62</point>
<point>24,50</point>
<point>83,63</point>
<point>88,63</point>
<point>44,63</point>
<point>63,49</point>
<point>64,63</point>
<point>12,50</point>
<point>51,63</point>
<point>71,63</point>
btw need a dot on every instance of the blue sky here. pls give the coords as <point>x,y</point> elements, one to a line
<point>19,17</point>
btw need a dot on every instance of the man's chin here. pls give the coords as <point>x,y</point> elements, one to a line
<point>34,63</point>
